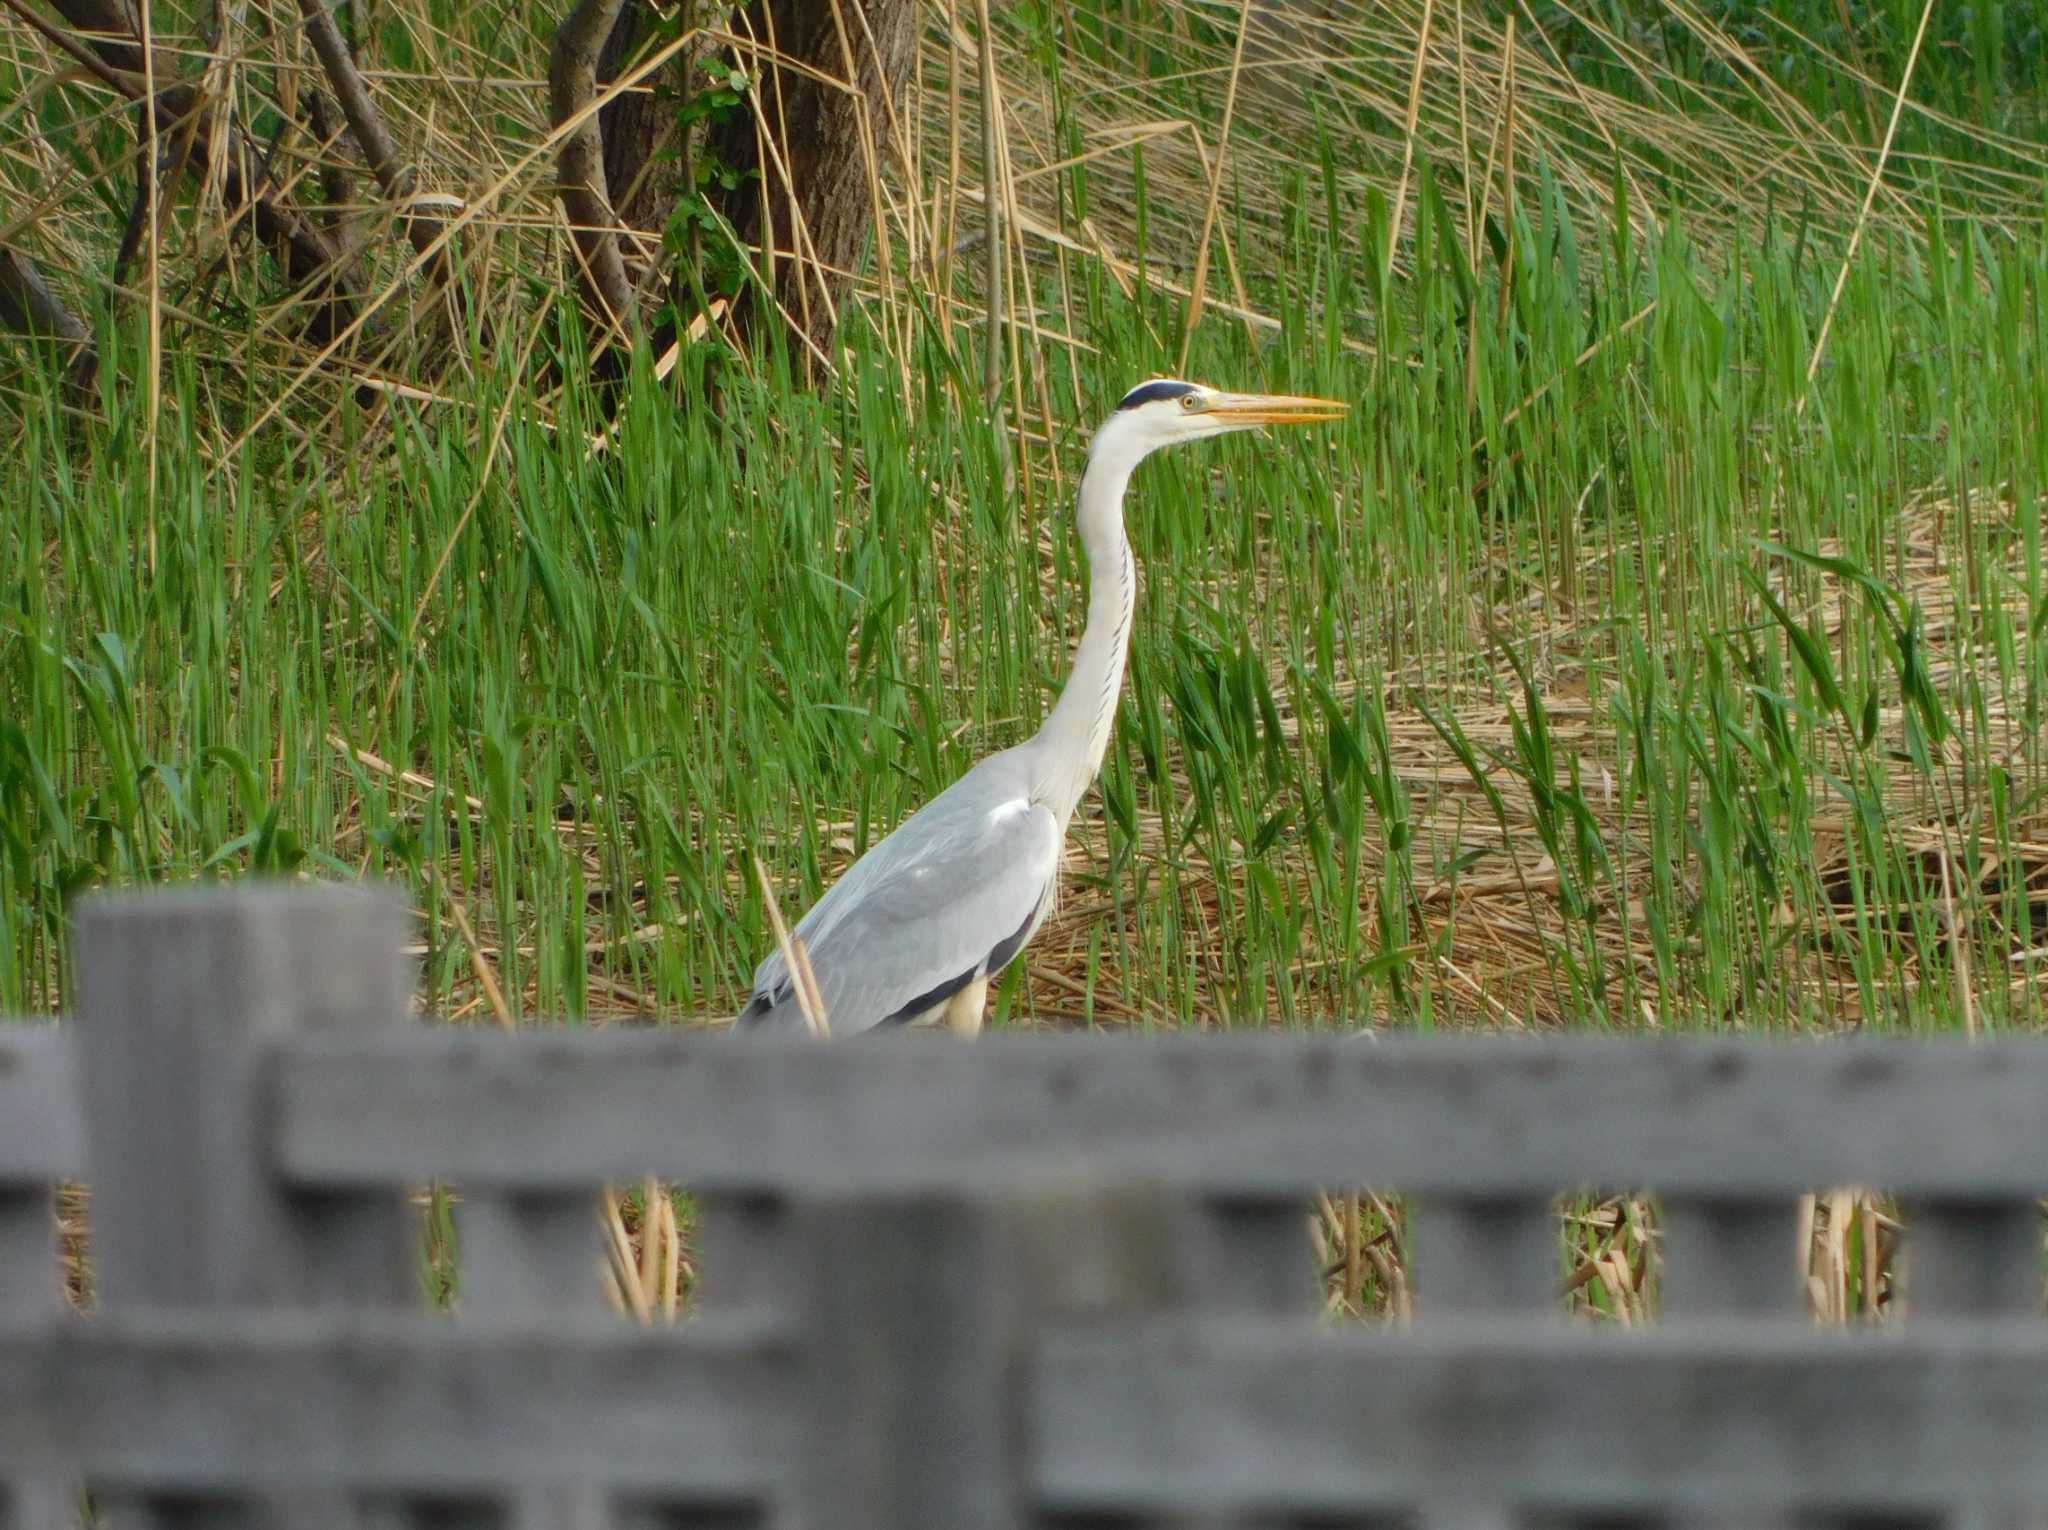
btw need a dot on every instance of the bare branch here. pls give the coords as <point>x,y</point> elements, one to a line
<point>126,84</point>
<point>165,164</point>
<point>379,152</point>
<point>336,184</point>
<point>572,86</point>
<point>29,307</point>
<point>113,33</point>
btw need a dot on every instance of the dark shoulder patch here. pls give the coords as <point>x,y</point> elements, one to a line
<point>930,999</point>
<point>1006,952</point>
<point>1152,392</point>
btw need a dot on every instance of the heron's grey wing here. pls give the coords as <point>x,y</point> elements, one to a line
<point>954,893</point>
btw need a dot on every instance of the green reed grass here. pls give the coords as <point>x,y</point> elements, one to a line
<point>771,621</point>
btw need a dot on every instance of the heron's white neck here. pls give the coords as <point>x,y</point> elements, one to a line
<point>1071,744</point>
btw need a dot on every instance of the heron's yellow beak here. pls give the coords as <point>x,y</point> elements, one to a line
<point>1273,408</point>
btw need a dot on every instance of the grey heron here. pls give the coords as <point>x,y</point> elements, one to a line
<point>917,927</point>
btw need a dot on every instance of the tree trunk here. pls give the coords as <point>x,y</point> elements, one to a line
<point>580,171</point>
<point>637,128</point>
<point>810,209</point>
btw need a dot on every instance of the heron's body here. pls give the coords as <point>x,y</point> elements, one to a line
<point>916,928</point>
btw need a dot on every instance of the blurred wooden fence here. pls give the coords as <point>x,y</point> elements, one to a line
<point>1035,1281</point>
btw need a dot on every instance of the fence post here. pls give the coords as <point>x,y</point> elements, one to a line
<point>1968,1258</point>
<point>1240,1254</point>
<point>917,1314</point>
<point>1974,1258</point>
<point>29,1289</point>
<point>38,1503</point>
<point>744,1247</point>
<point>178,994</point>
<point>28,1254</point>
<point>1482,1257</point>
<point>1485,1256</point>
<point>30,1295</point>
<point>1731,1257</point>
<point>745,1251</point>
<point>535,1256</point>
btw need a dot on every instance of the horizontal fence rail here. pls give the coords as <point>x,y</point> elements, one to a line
<point>1260,1414</point>
<point>1123,1419</point>
<point>1231,1114</point>
<point>1033,1281</point>
<point>187,1405</point>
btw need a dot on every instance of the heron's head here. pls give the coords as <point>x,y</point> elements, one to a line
<point>1166,411</point>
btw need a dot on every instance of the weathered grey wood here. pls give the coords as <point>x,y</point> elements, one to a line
<point>687,1517</point>
<point>185,1511</point>
<point>39,1503</point>
<point>916,1308</point>
<point>530,1254</point>
<point>1968,1518</point>
<point>749,1262</point>
<point>746,1258</point>
<point>337,1510</point>
<point>28,1255</point>
<point>163,1403</point>
<point>1723,1415</point>
<point>1973,1259</point>
<point>933,1277</point>
<point>1976,1258</point>
<point>1481,1258</point>
<point>1246,1255</point>
<point>2033,1517</point>
<point>1730,1257</point>
<point>1227,1115</point>
<point>901,1340</point>
<point>1093,1249</point>
<point>1485,1257</point>
<point>174,990</point>
<point>38,1082</point>
<point>37,1497</point>
<point>41,1122</point>
<point>582,1504</point>
<point>920,1314</point>
<point>1726,1258</point>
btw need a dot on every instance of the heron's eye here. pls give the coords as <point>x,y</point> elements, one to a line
<point>1190,402</point>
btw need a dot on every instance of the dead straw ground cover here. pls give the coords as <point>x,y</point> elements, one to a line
<point>1513,735</point>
